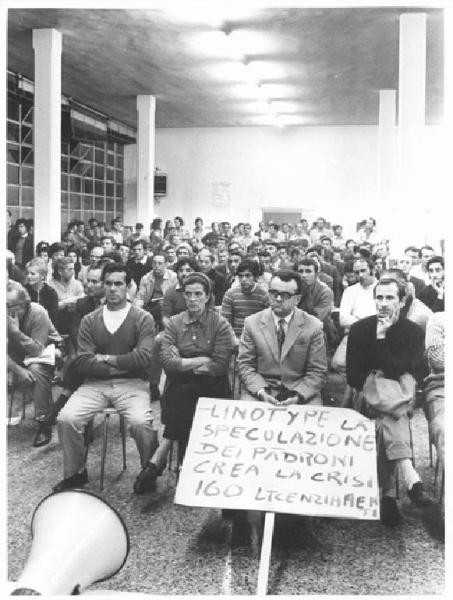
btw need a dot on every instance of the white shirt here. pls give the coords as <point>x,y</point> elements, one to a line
<point>113,319</point>
<point>287,319</point>
<point>357,303</point>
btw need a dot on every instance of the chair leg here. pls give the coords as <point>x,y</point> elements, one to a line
<point>411,442</point>
<point>123,439</point>
<point>442,486</point>
<point>436,470</point>
<point>397,482</point>
<point>104,447</point>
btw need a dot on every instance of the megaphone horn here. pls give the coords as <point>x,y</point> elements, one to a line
<point>78,539</point>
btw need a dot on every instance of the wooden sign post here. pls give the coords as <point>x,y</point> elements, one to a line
<point>305,460</point>
<point>265,558</point>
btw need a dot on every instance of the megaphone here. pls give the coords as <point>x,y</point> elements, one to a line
<point>78,539</point>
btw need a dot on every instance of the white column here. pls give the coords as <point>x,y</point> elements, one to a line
<point>47,44</point>
<point>386,144</point>
<point>146,130</point>
<point>411,97</point>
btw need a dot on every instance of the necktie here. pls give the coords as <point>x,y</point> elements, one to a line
<point>281,334</point>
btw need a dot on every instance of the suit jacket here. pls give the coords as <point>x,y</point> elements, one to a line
<point>419,285</point>
<point>302,365</point>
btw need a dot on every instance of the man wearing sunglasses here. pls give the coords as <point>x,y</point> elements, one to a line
<point>282,354</point>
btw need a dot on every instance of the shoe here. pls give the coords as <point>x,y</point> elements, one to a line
<point>390,514</point>
<point>418,496</point>
<point>154,392</point>
<point>75,481</point>
<point>146,479</point>
<point>43,435</point>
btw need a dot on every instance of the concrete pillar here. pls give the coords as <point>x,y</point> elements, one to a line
<point>47,45</point>
<point>386,144</point>
<point>130,185</point>
<point>411,98</point>
<point>146,133</point>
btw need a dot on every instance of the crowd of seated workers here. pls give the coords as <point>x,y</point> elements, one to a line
<point>292,302</point>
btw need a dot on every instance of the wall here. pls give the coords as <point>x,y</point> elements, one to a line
<point>232,173</point>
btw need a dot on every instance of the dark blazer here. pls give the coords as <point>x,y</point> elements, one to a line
<point>400,352</point>
<point>27,252</point>
<point>48,298</point>
<point>218,286</point>
<point>418,284</point>
<point>429,297</point>
<point>137,270</point>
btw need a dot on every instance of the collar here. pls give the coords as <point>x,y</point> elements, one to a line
<point>277,319</point>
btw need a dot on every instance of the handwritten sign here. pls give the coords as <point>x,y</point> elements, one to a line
<point>308,460</point>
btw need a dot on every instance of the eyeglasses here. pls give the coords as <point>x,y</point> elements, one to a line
<point>196,295</point>
<point>283,295</point>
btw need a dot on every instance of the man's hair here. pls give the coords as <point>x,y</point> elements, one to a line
<point>307,262</point>
<point>424,248</point>
<point>366,260</point>
<point>249,265</point>
<point>63,261</point>
<point>160,253</point>
<point>198,278</point>
<point>115,220</point>
<point>56,247</point>
<point>326,237</point>
<point>435,259</point>
<point>108,237</point>
<point>401,285</point>
<point>100,265</point>
<point>411,249</point>
<point>264,254</point>
<point>208,254</point>
<point>186,260</point>
<point>21,222</point>
<point>316,248</point>
<point>139,226</point>
<point>286,275</point>
<point>137,242</point>
<point>235,252</point>
<point>114,267</point>
<point>335,227</point>
<point>40,246</point>
<point>270,243</point>
<point>39,264</point>
<point>92,220</point>
<point>180,219</point>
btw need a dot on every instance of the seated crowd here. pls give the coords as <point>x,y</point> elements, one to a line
<point>292,303</point>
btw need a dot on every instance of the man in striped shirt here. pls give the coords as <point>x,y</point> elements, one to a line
<point>245,299</point>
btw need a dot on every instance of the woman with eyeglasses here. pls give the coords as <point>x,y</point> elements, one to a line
<point>197,345</point>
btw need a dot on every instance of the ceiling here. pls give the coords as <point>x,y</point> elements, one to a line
<point>317,66</point>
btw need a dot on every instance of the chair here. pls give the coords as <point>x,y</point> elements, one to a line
<point>88,436</point>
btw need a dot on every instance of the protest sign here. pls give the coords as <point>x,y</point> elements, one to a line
<point>308,460</point>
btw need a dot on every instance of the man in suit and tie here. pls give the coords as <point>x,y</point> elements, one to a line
<point>282,354</point>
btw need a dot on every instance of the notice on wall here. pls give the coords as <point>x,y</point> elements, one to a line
<point>221,194</point>
<point>307,460</point>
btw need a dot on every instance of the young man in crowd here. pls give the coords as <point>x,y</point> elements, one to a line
<point>114,353</point>
<point>245,299</point>
<point>139,264</point>
<point>384,363</point>
<point>357,303</point>
<point>433,295</point>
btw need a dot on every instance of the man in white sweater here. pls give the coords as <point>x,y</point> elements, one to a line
<point>115,345</point>
<point>357,303</point>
